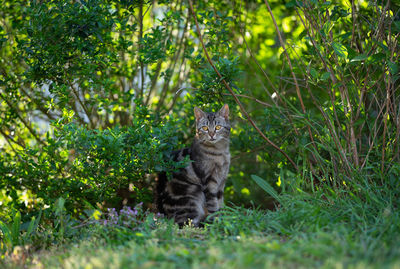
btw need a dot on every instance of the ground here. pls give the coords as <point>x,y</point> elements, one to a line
<point>304,234</point>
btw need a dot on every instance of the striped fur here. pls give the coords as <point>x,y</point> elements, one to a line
<point>197,190</point>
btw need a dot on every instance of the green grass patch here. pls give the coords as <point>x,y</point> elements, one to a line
<point>307,231</point>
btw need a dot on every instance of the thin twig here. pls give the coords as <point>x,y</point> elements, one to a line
<point>292,72</point>
<point>140,47</point>
<point>9,143</point>
<point>251,98</point>
<point>287,57</point>
<point>28,126</point>
<point>81,103</point>
<point>242,109</point>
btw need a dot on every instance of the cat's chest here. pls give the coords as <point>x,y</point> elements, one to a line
<point>216,166</point>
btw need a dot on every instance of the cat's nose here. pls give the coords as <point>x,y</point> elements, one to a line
<point>212,135</point>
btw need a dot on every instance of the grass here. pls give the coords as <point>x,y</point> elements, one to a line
<point>307,231</point>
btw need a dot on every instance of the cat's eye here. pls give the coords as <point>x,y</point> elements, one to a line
<point>217,127</point>
<point>205,128</point>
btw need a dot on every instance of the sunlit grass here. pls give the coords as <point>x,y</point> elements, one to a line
<point>306,232</point>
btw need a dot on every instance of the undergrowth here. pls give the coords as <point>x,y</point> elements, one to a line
<point>305,231</point>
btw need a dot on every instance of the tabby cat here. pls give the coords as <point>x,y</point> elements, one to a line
<point>197,190</point>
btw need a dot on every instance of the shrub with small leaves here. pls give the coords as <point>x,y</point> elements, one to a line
<point>96,167</point>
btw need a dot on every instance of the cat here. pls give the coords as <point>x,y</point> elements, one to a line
<point>197,190</point>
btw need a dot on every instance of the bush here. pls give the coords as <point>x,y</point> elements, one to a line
<point>93,167</point>
<point>332,111</point>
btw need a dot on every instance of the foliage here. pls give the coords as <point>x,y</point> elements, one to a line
<point>344,118</point>
<point>94,95</point>
<point>94,167</point>
<point>36,231</point>
<point>309,231</point>
<point>13,234</point>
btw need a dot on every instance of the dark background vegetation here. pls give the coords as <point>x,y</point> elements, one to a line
<point>94,95</point>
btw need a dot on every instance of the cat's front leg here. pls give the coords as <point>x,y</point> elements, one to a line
<point>189,216</point>
<point>211,194</point>
<point>211,201</point>
<point>221,186</point>
<point>220,197</point>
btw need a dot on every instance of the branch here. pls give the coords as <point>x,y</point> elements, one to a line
<point>9,143</point>
<point>251,98</point>
<point>28,126</point>
<point>292,72</point>
<point>141,15</point>
<point>181,45</point>
<point>244,112</point>
<point>287,57</point>
<point>81,103</point>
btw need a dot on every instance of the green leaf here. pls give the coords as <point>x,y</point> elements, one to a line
<point>393,68</point>
<point>396,26</point>
<point>294,3</point>
<point>7,238</point>
<point>15,228</point>
<point>59,206</point>
<point>29,231</point>
<point>303,34</point>
<point>376,57</point>
<point>314,73</point>
<point>266,187</point>
<point>383,46</point>
<point>339,49</point>
<point>358,58</point>
<point>325,76</point>
<point>33,224</point>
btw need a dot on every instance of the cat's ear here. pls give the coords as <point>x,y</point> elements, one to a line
<point>224,111</point>
<point>198,113</point>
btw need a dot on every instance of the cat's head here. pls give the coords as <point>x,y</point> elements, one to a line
<point>214,126</point>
